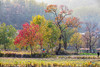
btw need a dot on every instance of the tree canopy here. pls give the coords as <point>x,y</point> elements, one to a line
<point>7,34</point>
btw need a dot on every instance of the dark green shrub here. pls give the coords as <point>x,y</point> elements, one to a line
<point>10,55</point>
<point>18,55</point>
<point>47,55</point>
<point>26,56</point>
<point>36,55</point>
<point>1,54</point>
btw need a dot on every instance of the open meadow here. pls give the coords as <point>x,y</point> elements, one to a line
<point>49,62</point>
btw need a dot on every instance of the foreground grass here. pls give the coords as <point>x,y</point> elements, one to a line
<point>87,53</point>
<point>50,61</point>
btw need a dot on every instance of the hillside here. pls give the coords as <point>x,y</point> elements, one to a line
<point>17,12</point>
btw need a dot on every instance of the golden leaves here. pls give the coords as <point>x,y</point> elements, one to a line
<point>76,39</point>
<point>38,20</point>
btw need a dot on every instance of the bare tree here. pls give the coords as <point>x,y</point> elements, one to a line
<point>91,36</point>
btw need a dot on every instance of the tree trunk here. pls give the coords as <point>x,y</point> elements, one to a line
<point>4,47</point>
<point>65,45</point>
<point>31,50</point>
<point>77,51</point>
<point>57,52</point>
<point>76,46</point>
<point>41,49</point>
<point>26,48</point>
<point>90,49</point>
<point>21,48</point>
<point>87,47</point>
<point>48,49</point>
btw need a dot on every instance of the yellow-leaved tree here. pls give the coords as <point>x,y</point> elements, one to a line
<point>76,41</point>
<point>50,33</point>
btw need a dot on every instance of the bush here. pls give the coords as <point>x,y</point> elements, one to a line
<point>10,55</point>
<point>35,55</point>
<point>1,54</point>
<point>43,55</point>
<point>26,55</point>
<point>18,55</point>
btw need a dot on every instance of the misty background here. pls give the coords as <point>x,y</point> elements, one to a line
<point>17,12</point>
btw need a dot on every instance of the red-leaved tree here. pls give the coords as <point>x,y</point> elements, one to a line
<point>29,35</point>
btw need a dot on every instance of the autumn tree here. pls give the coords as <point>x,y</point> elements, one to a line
<point>28,36</point>
<point>55,34</point>
<point>91,35</point>
<point>50,33</point>
<point>67,34</point>
<point>7,35</point>
<point>76,41</point>
<point>60,19</point>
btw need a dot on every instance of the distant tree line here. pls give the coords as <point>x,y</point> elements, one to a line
<point>17,12</point>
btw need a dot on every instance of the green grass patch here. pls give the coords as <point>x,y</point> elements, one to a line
<point>87,53</point>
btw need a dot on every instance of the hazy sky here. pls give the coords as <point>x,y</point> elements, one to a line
<point>72,3</point>
<point>86,10</point>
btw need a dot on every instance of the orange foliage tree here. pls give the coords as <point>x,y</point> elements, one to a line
<point>60,19</point>
<point>29,36</point>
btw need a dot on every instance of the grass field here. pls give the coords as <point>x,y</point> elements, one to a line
<point>83,60</point>
<point>50,61</point>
